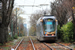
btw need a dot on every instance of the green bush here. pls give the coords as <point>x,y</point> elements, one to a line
<point>15,36</point>
<point>67,32</point>
<point>58,31</point>
<point>10,38</point>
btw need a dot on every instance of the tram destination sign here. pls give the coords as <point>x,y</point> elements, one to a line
<point>48,19</point>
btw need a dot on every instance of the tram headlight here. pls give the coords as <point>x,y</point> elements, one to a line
<point>45,32</point>
<point>52,34</point>
<point>41,20</point>
<point>56,20</point>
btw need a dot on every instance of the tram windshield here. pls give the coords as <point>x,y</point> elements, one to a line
<point>49,26</point>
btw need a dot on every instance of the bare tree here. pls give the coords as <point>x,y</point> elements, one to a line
<point>60,9</point>
<point>33,20</point>
<point>63,9</point>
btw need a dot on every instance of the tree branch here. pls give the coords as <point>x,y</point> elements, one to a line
<point>10,12</point>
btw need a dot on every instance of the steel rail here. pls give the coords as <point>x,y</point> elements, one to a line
<point>32,44</point>
<point>19,44</point>
<point>64,46</point>
<point>48,46</point>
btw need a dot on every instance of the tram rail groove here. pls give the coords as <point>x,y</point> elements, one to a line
<point>48,46</point>
<point>18,44</point>
<point>32,44</point>
<point>64,46</point>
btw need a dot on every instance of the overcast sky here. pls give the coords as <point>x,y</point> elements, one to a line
<point>30,10</point>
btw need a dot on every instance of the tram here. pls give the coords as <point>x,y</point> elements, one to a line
<point>46,28</point>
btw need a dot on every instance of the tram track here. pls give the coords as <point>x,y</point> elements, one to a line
<point>40,45</point>
<point>57,46</point>
<point>18,44</point>
<point>22,43</point>
<point>34,44</point>
<point>65,46</point>
<point>48,46</point>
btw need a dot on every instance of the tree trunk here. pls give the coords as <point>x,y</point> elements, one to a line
<point>3,34</point>
<point>74,30</point>
<point>6,33</point>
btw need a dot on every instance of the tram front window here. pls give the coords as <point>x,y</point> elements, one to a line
<point>49,26</point>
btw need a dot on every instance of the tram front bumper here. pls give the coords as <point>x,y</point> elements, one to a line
<point>49,37</point>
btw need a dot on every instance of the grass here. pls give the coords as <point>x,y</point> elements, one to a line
<point>11,43</point>
<point>7,45</point>
<point>6,48</point>
<point>52,44</point>
<point>1,44</point>
<point>74,46</point>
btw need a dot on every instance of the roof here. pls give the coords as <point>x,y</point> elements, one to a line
<point>45,17</point>
<point>48,16</point>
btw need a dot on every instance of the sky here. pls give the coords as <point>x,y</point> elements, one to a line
<point>29,10</point>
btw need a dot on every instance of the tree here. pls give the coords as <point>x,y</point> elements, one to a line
<point>60,11</point>
<point>34,18</point>
<point>17,11</point>
<point>20,26</point>
<point>64,9</point>
<point>7,6</point>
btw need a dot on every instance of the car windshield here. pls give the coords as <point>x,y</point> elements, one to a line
<point>49,26</point>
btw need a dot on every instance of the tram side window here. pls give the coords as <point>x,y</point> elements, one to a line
<point>38,28</point>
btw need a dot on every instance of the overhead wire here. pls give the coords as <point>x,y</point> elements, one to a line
<point>43,3</point>
<point>33,4</point>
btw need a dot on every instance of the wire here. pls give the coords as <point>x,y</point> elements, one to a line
<point>33,4</point>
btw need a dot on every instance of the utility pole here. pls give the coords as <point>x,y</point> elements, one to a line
<point>19,26</point>
<point>19,29</point>
<point>12,26</point>
<point>16,20</point>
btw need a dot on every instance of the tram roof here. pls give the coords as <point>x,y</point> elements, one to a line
<point>45,17</point>
<point>48,16</point>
